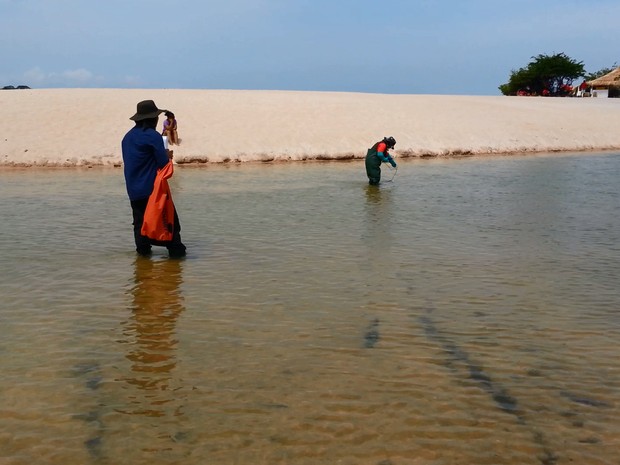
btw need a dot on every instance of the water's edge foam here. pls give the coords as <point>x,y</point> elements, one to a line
<point>263,158</point>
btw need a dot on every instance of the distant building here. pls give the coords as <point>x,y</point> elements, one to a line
<point>602,84</point>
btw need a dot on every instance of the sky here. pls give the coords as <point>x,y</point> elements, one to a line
<point>464,47</point>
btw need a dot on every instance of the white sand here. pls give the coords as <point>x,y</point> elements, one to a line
<point>72,127</point>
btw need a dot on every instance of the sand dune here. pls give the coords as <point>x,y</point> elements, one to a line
<point>76,127</point>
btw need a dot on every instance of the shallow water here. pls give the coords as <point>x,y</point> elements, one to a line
<point>467,312</point>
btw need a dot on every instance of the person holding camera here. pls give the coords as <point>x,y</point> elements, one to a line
<point>143,155</point>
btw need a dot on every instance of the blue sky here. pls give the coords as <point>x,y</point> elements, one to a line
<point>463,47</point>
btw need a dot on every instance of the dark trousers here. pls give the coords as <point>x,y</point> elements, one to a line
<point>373,170</point>
<point>143,244</point>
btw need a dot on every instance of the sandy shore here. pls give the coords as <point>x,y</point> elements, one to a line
<point>76,127</point>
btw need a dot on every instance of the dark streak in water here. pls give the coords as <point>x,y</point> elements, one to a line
<point>89,417</point>
<point>585,400</point>
<point>179,436</point>
<point>85,368</point>
<point>498,393</point>
<point>94,446</point>
<point>273,406</point>
<point>92,373</point>
<point>371,336</point>
<point>94,382</point>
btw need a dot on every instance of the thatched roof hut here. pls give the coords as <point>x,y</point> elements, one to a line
<point>609,79</point>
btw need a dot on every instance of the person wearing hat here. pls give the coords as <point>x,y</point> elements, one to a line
<point>143,154</point>
<point>376,155</point>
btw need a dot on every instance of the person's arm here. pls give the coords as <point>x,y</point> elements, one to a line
<point>162,155</point>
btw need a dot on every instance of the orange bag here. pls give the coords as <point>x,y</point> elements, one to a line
<point>158,221</point>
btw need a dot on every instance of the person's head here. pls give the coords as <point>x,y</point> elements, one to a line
<point>390,142</point>
<point>169,114</point>
<point>148,123</point>
<point>147,114</point>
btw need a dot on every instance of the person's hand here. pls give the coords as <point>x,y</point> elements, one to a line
<point>392,162</point>
<point>170,152</point>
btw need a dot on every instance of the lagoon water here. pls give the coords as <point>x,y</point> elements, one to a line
<point>467,312</point>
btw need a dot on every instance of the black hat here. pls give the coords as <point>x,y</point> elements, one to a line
<point>390,142</point>
<point>146,109</point>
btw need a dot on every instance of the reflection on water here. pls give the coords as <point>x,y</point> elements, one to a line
<point>149,334</point>
<point>465,313</point>
<point>377,239</point>
<point>379,213</point>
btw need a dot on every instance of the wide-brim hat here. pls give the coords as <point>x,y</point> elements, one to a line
<point>146,109</point>
<point>389,141</point>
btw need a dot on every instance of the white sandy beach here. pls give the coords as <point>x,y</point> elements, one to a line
<point>77,127</point>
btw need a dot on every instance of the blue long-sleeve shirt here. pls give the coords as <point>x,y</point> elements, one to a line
<point>384,157</point>
<point>143,154</point>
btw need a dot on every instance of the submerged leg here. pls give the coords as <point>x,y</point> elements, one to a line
<point>143,243</point>
<point>176,248</point>
<point>373,171</point>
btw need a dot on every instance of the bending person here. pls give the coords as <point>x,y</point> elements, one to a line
<point>376,155</point>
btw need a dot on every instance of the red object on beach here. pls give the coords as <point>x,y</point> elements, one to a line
<point>159,214</point>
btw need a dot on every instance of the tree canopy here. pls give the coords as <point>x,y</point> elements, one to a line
<point>544,75</point>
<point>600,72</point>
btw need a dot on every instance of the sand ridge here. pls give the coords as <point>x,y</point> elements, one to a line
<point>84,127</point>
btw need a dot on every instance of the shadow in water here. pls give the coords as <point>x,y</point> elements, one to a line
<point>457,356</point>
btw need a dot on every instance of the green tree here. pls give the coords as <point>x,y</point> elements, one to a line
<point>600,72</point>
<point>546,73</point>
